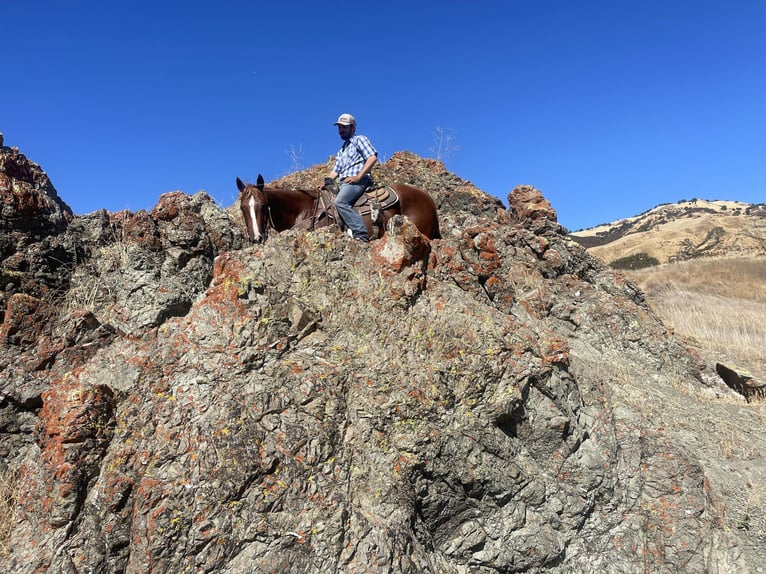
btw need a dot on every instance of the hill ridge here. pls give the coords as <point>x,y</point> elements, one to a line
<point>681,231</point>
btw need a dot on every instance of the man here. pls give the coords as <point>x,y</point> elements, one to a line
<point>353,164</point>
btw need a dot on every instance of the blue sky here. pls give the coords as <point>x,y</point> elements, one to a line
<point>609,107</point>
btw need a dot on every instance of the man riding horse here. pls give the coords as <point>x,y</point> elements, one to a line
<point>353,164</point>
<point>265,208</point>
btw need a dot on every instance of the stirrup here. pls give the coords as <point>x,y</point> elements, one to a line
<point>375,211</point>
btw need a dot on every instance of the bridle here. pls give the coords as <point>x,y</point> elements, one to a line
<point>249,198</point>
<point>319,210</point>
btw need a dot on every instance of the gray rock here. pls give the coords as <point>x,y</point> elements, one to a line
<point>314,405</point>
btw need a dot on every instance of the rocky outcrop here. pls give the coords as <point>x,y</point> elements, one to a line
<point>32,220</point>
<point>526,204</point>
<point>741,381</point>
<point>187,403</point>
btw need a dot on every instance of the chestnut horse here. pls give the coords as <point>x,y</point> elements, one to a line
<point>267,208</point>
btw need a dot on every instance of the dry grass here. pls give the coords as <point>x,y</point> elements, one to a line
<point>89,289</point>
<point>734,277</point>
<point>90,286</point>
<point>8,503</point>
<point>718,303</point>
<point>733,329</point>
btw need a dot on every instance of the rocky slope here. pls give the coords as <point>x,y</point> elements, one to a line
<point>682,231</point>
<point>496,401</point>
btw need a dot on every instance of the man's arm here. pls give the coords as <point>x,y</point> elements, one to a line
<point>371,161</point>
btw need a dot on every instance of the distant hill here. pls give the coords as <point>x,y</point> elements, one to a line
<point>681,231</point>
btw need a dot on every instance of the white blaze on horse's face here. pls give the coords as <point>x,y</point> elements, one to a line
<point>254,231</point>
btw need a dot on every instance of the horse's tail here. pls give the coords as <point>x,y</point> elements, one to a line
<point>437,231</point>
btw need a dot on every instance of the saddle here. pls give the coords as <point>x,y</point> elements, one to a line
<point>372,202</point>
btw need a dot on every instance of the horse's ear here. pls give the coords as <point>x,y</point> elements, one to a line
<point>240,185</point>
<point>259,182</point>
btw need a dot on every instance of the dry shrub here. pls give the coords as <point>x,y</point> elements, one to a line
<point>8,503</point>
<point>90,287</point>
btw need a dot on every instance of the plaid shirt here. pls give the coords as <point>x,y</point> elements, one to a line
<point>352,156</point>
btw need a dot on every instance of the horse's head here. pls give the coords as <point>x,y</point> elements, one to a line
<point>255,206</point>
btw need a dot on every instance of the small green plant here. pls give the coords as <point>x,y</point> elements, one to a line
<point>635,261</point>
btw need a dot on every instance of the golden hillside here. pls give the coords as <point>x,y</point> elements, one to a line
<point>682,231</point>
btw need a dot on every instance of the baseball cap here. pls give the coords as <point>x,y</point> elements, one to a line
<point>346,120</point>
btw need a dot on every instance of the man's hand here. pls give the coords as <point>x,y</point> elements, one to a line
<point>329,185</point>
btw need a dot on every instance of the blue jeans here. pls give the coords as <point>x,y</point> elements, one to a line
<point>344,201</point>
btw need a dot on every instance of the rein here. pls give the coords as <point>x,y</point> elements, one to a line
<point>271,219</point>
<point>310,223</point>
<point>316,215</point>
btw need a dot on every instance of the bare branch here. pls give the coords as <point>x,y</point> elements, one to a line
<point>296,157</point>
<point>444,143</point>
